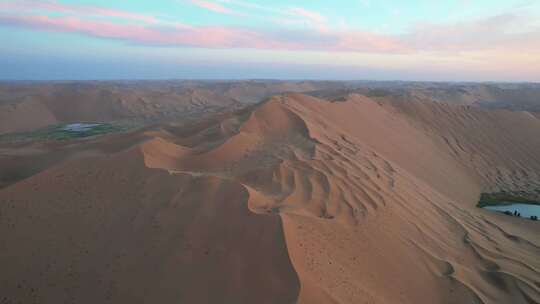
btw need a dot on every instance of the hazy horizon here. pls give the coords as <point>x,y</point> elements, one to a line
<point>263,80</point>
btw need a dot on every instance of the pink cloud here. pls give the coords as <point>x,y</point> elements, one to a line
<point>290,16</point>
<point>314,17</point>
<point>26,6</point>
<point>207,37</point>
<point>215,7</point>
<point>503,32</point>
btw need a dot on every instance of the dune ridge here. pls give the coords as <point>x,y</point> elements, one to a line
<point>300,200</point>
<point>339,181</point>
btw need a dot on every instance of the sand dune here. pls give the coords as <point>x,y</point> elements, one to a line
<point>359,181</point>
<point>24,116</point>
<point>29,106</point>
<point>110,230</point>
<point>298,200</point>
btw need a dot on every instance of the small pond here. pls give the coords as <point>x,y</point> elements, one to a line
<point>80,127</point>
<point>67,131</point>
<point>525,210</point>
<point>522,204</point>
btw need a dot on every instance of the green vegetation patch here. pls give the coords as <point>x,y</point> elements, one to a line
<point>504,198</point>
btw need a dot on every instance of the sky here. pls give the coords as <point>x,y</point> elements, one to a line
<point>425,40</point>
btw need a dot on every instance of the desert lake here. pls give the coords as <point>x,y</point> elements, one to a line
<point>526,210</point>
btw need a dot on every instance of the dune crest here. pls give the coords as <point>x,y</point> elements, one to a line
<point>358,181</point>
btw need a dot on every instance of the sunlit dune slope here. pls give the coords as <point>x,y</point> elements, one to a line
<point>402,177</point>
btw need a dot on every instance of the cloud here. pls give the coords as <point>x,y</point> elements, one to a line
<point>503,32</point>
<point>314,18</point>
<point>207,37</point>
<point>506,32</point>
<point>26,6</point>
<point>283,16</point>
<point>252,6</point>
<point>215,7</point>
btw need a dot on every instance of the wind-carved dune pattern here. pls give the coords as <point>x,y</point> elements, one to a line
<point>358,224</point>
<point>302,200</point>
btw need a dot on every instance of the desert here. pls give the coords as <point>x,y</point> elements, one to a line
<point>269,152</point>
<point>292,199</point>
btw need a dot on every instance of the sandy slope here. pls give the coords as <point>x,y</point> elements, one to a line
<point>300,201</point>
<point>421,205</point>
<point>112,231</point>
<point>24,116</point>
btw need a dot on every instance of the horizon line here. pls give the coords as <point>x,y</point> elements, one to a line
<point>59,80</point>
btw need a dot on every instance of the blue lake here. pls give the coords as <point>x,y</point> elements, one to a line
<point>526,210</point>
